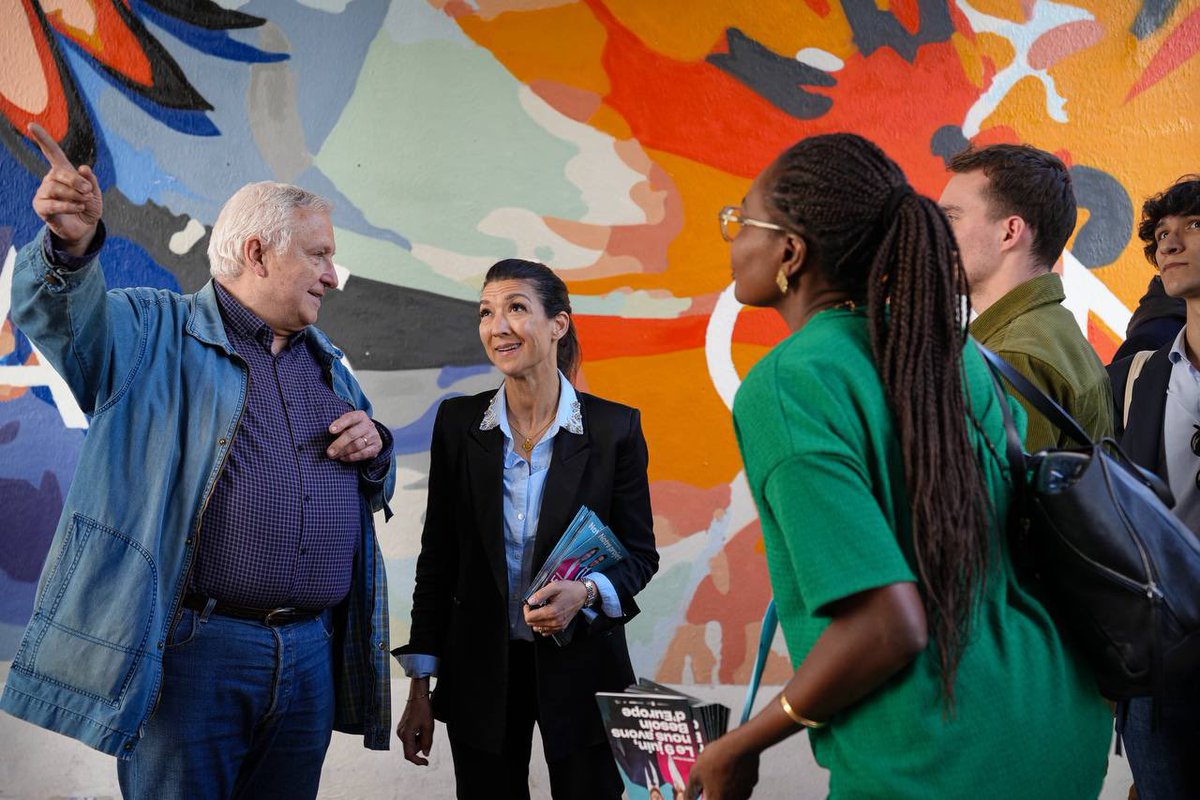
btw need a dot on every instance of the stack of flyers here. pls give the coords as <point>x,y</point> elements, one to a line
<point>656,735</point>
<point>587,546</point>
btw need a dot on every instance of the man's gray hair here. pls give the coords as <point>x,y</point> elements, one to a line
<point>263,210</point>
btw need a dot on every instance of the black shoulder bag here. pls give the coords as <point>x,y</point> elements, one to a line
<point>1094,537</point>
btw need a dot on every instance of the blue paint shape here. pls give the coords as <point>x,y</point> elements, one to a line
<point>415,437</point>
<point>345,213</point>
<point>452,375</point>
<point>9,431</point>
<point>126,264</point>
<point>214,42</point>
<point>31,515</point>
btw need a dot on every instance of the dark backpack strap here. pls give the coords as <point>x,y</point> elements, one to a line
<point>1014,448</point>
<point>1037,398</point>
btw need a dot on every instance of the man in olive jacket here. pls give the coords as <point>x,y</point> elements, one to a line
<point>1012,210</point>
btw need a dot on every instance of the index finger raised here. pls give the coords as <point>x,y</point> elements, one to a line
<point>50,149</point>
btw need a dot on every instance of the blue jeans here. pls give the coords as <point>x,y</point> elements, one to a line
<point>246,711</point>
<point>1164,760</point>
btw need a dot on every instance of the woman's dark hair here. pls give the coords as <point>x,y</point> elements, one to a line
<point>1181,200</point>
<point>552,294</point>
<point>877,241</point>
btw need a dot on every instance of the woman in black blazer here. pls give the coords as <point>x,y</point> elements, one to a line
<point>509,469</point>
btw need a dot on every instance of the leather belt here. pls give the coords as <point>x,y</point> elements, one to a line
<point>267,616</point>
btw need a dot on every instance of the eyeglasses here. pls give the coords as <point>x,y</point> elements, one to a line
<point>732,220</point>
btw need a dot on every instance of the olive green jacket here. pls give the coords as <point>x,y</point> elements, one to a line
<point>1030,329</point>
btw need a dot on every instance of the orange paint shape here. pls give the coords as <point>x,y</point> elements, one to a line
<point>1102,338</point>
<point>561,44</point>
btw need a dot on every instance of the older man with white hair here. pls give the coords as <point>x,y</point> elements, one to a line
<point>214,602</point>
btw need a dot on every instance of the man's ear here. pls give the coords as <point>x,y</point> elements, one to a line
<point>253,254</point>
<point>1015,231</point>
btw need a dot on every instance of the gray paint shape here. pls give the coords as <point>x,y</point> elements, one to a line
<point>874,28</point>
<point>271,107</point>
<point>1110,217</point>
<point>947,142</point>
<point>381,326</point>
<point>1152,16</point>
<point>774,77</point>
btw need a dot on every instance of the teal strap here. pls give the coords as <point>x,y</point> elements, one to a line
<point>765,637</point>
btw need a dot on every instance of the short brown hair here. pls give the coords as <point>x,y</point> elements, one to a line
<point>1031,184</point>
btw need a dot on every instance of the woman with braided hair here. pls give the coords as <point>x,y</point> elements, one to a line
<point>873,442</point>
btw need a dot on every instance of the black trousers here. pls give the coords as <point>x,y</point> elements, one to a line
<point>587,774</point>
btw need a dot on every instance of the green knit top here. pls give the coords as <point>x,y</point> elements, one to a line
<point>825,468</point>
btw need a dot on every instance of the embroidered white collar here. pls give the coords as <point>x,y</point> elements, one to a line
<point>569,416</point>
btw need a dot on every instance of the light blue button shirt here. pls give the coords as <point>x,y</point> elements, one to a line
<point>1180,418</point>
<point>524,485</point>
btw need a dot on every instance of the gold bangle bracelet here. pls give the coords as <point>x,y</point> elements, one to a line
<point>796,718</point>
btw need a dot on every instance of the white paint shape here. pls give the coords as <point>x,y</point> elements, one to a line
<point>1085,292</point>
<point>331,6</point>
<point>40,374</point>
<point>718,346</point>
<point>604,180</point>
<point>821,59</point>
<point>183,241</point>
<point>530,233</point>
<point>343,275</point>
<point>449,264</point>
<point>1045,16</point>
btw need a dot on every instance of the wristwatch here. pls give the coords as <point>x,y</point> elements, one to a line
<point>593,592</point>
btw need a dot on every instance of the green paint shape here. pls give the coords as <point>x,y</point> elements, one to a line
<point>434,139</point>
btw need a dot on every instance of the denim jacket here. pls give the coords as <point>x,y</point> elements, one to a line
<point>165,392</point>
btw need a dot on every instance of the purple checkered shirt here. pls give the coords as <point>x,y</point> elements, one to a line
<point>283,521</point>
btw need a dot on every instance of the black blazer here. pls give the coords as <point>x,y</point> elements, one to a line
<point>460,611</point>
<point>1142,437</point>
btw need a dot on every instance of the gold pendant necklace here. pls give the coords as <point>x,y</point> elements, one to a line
<point>527,441</point>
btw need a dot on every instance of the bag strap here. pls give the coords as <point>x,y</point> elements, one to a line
<point>1014,447</point>
<point>765,637</point>
<point>1135,368</point>
<point>1037,398</point>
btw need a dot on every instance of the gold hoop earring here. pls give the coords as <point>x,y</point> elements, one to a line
<point>781,280</point>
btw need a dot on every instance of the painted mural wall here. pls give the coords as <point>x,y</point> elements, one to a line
<point>599,136</point>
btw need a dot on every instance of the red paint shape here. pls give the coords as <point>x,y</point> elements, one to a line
<point>689,509</point>
<point>112,43</point>
<point>820,7</point>
<point>740,606</point>
<point>1065,157</point>
<point>604,337</point>
<point>907,13</point>
<point>457,8</point>
<point>578,104</point>
<point>617,337</point>
<point>760,326</point>
<point>1181,45</point>
<point>999,134</point>
<point>1056,44</point>
<point>1103,342</point>
<point>55,117</point>
<point>694,110</point>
